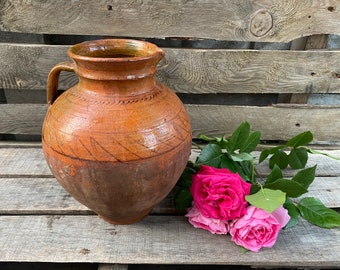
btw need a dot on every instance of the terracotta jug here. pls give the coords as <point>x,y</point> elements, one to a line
<point>118,140</point>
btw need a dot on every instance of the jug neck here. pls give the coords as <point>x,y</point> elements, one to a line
<point>115,59</point>
<point>118,88</point>
<point>116,66</point>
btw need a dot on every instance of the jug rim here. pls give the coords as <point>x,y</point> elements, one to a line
<point>115,50</point>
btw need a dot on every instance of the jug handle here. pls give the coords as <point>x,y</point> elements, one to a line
<point>53,78</point>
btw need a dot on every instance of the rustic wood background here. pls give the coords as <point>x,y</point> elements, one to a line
<point>228,61</point>
<point>274,63</point>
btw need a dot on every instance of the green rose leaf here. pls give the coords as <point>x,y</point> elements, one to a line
<point>239,137</point>
<point>185,180</point>
<point>254,189</point>
<point>209,139</point>
<point>275,174</point>
<point>305,177</point>
<point>241,157</point>
<point>266,152</point>
<point>242,170</point>
<point>221,141</point>
<point>183,199</point>
<point>251,143</point>
<point>298,158</point>
<point>267,199</point>
<point>293,212</point>
<point>318,214</point>
<point>280,159</point>
<point>300,139</point>
<point>228,163</point>
<point>291,188</point>
<point>247,169</point>
<point>312,151</point>
<point>210,155</point>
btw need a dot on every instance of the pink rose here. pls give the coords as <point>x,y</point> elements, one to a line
<point>212,225</point>
<point>219,193</point>
<point>258,228</point>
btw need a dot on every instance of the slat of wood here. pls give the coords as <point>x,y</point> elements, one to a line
<point>192,71</point>
<point>19,144</point>
<point>32,196</point>
<point>44,196</point>
<point>312,43</point>
<point>41,195</point>
<point>19,96</point>
<point>30,163</point>
<point>22,118</point>
<point>250,71</point>
<point>155,240</point>
<point>20,162</point>
<point>262,20</point>
<point>113,267</point>
<point>275,122</point>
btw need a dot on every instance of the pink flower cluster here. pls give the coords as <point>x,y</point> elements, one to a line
<point>219,206</point>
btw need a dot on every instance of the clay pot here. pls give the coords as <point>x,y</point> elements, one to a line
<point>118,140</point>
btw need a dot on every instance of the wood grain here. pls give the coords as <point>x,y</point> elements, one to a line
<point>19,161</point>
<point>24,171</point>
<point>194,71</point>
<point>275,122</point>
<point>311,43</point>
<point>155,240</point>
<point>244,20</point>
<point>22,118</point>
<point>41,222</point>
<point>44,196</point>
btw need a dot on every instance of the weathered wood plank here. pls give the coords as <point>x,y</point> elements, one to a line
<point>245,20</point>
<point>19,96</point>
<point>24,171</point>
<point>23,162</point>
<point>201,71</point>
<point>155,240</point>
<point>275,122</point>
<point>29,162</point>
<point>44,196</point>
<point>311,43</point>
<point>37,196</point>
<point>22,118</point>
<point>250,71</point>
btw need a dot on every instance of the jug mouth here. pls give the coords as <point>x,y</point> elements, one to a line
<point>108,50</point>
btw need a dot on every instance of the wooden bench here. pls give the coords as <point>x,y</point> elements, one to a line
<point>272,63</point>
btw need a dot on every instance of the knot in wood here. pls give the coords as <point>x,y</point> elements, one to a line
<point>261,22</point>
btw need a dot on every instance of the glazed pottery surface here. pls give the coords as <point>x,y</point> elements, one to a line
<point>118,140</point>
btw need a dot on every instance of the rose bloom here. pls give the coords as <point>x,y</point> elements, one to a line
<point>219,193</point>
<point>212,225</point>
<point>258,228</point>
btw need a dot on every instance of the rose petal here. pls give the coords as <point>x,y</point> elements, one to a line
<point>198,220</point>
<point>255,230</point>
<point>281,215</point>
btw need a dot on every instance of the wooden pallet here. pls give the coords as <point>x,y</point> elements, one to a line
<point>229,61</point>
<point>41,222</point>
